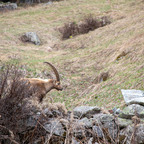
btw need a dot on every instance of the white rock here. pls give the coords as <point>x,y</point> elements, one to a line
<point>133,96</point>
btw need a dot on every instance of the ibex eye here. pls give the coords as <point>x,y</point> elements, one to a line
<point>57,83</point>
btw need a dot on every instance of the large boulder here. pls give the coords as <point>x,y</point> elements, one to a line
<point>31,37</point>
<point>133,96</point>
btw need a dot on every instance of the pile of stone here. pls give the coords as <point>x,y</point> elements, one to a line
<point>86,124</point>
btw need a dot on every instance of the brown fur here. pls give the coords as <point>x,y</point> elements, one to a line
<point>42,87</point>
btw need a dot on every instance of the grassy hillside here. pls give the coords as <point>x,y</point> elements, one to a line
<point>80,59</point>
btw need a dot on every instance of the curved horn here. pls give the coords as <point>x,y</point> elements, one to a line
<point>55,71</point>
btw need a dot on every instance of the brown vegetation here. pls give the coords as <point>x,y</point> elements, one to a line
<point>12,99</point>
<point>89,23</point>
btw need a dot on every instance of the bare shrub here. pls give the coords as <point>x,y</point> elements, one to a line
<point>69,29</point>
<point>13,92</point>
<point>89,23</point>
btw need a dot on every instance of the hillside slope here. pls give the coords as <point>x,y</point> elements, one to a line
<point>117,48</point>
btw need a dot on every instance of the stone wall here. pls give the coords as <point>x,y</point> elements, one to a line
<point>52,123</point>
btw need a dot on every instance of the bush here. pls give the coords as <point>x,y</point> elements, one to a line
<point>13,92</point>
<point>89,23</point>
<point>68,30</point>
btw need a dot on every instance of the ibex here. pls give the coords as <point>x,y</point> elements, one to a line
<point>43,86</point>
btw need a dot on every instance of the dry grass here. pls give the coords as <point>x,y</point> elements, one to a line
<point>82,58</point>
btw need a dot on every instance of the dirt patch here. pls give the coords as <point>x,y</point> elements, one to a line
<point>121,55</point>
<point>102,77</point>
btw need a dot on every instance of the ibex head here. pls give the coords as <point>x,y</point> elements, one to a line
<point>56,83</point>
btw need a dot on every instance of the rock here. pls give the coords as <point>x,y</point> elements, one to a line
<point>116,111</point>
<point>74,141</point>
<point>52,113</point>
<point>135,134</point>
<point>64,122</point>
<point>87,122</point>
<point>91,141</point>
<point>85,111</point>
<point>122,123</point>
<point>112,129</point>
<point>98,131</point>
<point>103,118</point>
<point>55,127</point>
<point>48,3</point>
<point>8,6</point>
<point>131,111</point>
<point>27,124</point>
<point>133,96</point>
<point>137,101</point>
<point>49,49</point>
<point>31,37</point>
<point>79,131</point>
<point>31,122</point>
<point>48,113</point>
<point>106,121</point>
<point>140,133</point>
